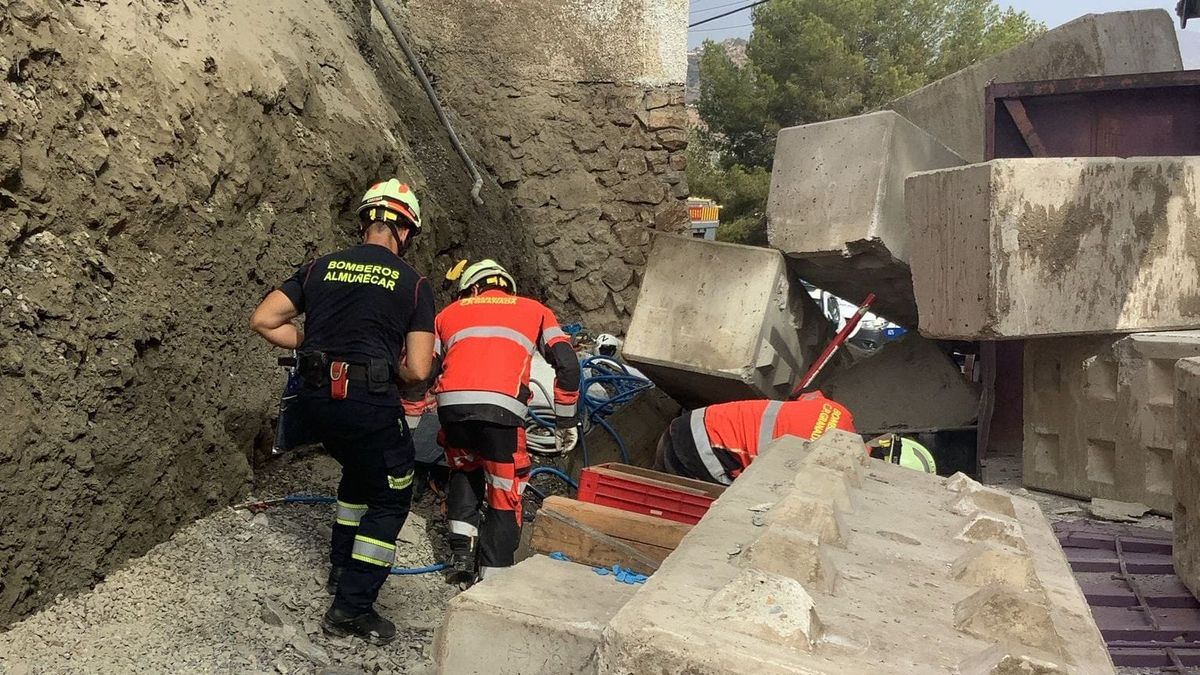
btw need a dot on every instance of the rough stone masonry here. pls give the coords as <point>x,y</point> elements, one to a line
<point>579,108</point>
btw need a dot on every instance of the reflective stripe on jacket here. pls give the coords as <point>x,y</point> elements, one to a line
<point>743,428</point>
<point>486,344</point>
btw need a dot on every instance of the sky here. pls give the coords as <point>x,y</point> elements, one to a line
<point>1050,12</point>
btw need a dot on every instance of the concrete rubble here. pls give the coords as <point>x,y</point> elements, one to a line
<point>1117,43</point>
<point>721,322</point>
<point>1074,246</point>
<point>1100,416</point>
<point>910,384</point>
<point>836,205</point>
<point>1187,474</point>
<point>815,587</point>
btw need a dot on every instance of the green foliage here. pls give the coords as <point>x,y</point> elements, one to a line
<point>815,60</point>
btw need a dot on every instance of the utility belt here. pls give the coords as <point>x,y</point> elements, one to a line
<point>318,370</point>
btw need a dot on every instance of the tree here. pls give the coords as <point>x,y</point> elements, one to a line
<point>815,60</point>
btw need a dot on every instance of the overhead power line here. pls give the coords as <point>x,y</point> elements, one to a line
<point>716,7</point>
<point>711,30</point>
<point>730,12</point>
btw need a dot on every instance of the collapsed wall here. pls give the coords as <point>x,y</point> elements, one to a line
<point>579,109</point>
<point>163,165</point>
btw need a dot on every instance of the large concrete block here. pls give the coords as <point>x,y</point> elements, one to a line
<point>910,384</point>
<point>1100,415</point>
<point>1071,416</point>
<point>1040,247</point>
<point>1187,473</point>
<point>836,205</point>
<point>1146,398</point>
<point>952,109</point>
<point>709,608</point>
<point>529,619</point>
<point>721,322</point>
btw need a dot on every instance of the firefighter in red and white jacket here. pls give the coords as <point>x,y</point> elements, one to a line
<point>486,340</point>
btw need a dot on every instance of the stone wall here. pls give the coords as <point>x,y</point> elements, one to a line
<point>579,111</point>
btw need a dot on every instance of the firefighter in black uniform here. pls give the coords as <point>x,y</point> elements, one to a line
<point>368,325</point>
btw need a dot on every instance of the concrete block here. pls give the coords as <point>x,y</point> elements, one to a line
<point>992,529</point>
<point>1146,399</point>
<point>530,619</point>
<point>836,205</point>
<point>979,498</point>
<point>1042,247</point>
<point>909,384</point>
<point>952,109</point>
<point>720,322</point>
<point>1071,416</point>
<point>1100,416</point>
<point>829,484</point>
<point>1003,660</point>
<point>673,624</point>
<point>1187,473</point>
<point>819,516</point>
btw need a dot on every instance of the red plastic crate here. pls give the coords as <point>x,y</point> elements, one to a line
<point>632,488</point>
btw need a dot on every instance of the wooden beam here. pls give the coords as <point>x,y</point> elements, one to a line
<point>636,528</point>
<point>556,532</point>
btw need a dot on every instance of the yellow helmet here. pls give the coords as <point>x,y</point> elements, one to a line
<point>390,201</point>
<point>485,271</point>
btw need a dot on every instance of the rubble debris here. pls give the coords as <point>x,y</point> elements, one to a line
<point>1115,43</point>
<point>721,322</point>
<point>1074,246</point>
<point>1117,512</point>
<point>836,206</point>
<point>908,384</point>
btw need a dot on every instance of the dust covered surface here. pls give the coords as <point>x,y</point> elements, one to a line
<point>163,164</point>
<point>237,593</point>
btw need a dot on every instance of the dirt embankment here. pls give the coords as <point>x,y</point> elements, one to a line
<point>163,163</point>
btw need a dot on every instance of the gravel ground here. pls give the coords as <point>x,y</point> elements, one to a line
<point>236,592</point>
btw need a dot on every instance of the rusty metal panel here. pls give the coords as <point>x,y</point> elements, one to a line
<point>1141,115</point>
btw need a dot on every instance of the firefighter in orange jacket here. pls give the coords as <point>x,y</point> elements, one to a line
<point>717,443</point>
<point>486,341</point>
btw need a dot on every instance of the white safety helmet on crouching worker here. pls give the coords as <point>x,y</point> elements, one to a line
<point>608,344</point>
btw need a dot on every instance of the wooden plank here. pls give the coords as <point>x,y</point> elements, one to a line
<point>633,527</point>
<point>1020,117</point>
<point>556,532</point>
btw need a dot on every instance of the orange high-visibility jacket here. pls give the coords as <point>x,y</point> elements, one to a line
<point>486,344</point>
<point>744,428</point>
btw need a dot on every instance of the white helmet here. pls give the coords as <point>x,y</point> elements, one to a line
<point>608,344</point>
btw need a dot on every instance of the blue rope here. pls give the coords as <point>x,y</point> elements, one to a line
<point>556,473</point>
<point>436,567</point>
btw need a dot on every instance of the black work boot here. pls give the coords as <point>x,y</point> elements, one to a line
<point>335,575</point>
<point>461,569</point>
<point>367,626</point>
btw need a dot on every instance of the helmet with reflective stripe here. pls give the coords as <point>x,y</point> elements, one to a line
<point>389,202</point>
<point>912,455</point>
<point>487,272</point>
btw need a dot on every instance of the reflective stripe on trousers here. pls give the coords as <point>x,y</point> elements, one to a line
<point>705,449</point>
<point>465,529</point>
<point>449,398</point>
<point>766,428</point>
<point>350,514</point>
<point>373,551</point>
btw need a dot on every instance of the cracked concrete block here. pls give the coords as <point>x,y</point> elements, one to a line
<point>986,527</point>
<point>1004,660</point>
<point>794,554</point>
<point>836,205</point>
<point>1001,613</point>
<point>819,516</point>
<point>720,322</point>
<point>531,620</point>
<point>769,606</point>
<point>952,109</point>
<point>988,563</point>
<point>825,483</point>
<point>979,498</point>
<point>889,562</point>
<point>1186,551</point>
<point>1074,246</point>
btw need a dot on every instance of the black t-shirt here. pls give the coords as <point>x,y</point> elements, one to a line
<point>359,304</point>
